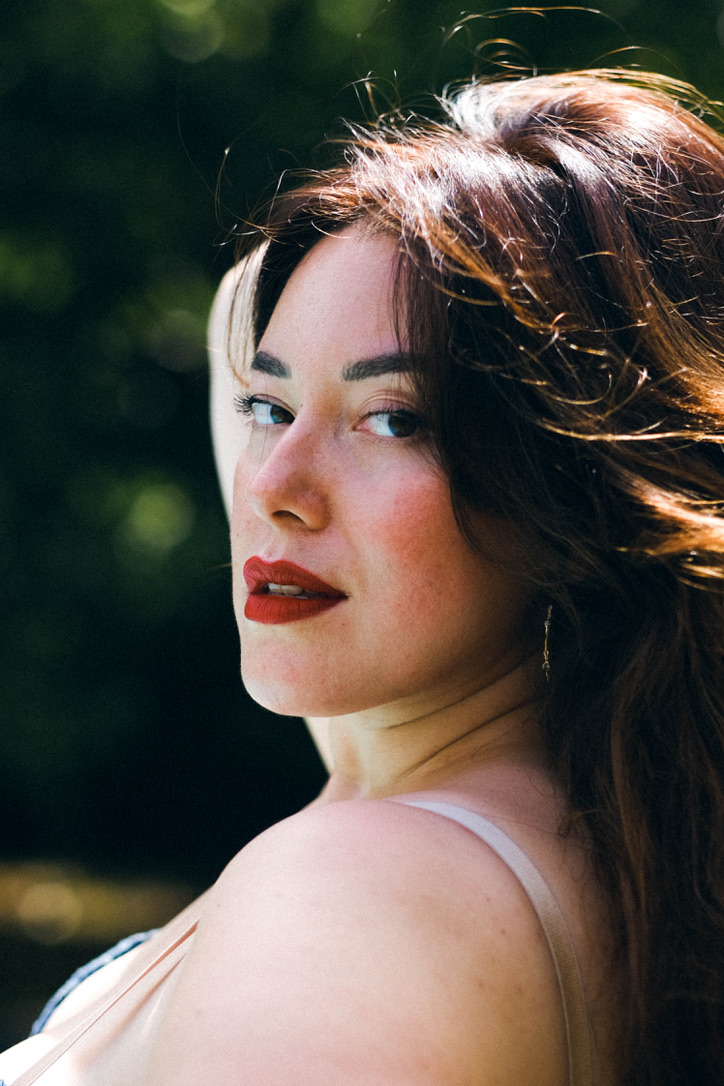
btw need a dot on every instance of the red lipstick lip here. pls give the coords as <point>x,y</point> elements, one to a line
<point>272,609</point>
<point>258,574</point>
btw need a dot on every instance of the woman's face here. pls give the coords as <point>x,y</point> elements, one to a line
<point>336,479</point>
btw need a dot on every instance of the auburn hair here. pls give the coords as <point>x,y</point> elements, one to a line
<point>561,295</point>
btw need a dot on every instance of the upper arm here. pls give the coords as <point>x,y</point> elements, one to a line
<point>364,943</point>
<point>230,327</point>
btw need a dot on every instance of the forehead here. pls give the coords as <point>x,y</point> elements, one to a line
<point>338,302</point>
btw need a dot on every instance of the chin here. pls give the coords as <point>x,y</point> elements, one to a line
<point>304,698</point>
<point>276,698</point>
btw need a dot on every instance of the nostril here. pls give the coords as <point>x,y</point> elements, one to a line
<point>288,502</point>
<point>286,514</point>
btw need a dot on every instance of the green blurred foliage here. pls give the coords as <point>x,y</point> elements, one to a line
<point>135,135</point>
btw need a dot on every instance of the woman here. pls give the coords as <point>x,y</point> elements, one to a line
<point>477,540</point>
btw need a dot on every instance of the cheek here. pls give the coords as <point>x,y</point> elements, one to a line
<point>427,571</point>
<point>242,522</point>
<point>413,535</point>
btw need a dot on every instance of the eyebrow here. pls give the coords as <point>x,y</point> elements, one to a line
<point>394,362</point>
<point>263,362</point>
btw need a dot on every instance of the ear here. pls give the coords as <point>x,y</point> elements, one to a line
<point>230,346</point>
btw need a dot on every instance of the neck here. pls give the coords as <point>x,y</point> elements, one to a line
<point>380,753</point>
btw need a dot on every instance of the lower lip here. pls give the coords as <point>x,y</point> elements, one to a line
<point>270,609</point>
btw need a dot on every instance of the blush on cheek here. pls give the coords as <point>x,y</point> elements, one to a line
<point>416,539</point>
<point>433,576</point>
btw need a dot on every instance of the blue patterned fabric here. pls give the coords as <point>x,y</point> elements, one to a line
<point>85,971</point>
<point>80,975</point>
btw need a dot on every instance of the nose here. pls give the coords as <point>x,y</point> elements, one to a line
<point>286,485</point>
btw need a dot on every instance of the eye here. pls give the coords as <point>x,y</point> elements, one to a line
<point>394,423</point>
<point>263,412</point>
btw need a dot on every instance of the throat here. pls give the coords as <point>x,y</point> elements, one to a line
<point>382,753</point>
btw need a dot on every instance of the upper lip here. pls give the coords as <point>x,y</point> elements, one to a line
<point>258,574</point>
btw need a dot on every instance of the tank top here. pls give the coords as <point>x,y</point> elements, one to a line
<point>160,956</point>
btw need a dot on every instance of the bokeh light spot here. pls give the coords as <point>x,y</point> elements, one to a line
<point>193,39</point>
<point>178,339</point>
<point>49,911</point>
<point>189,8</point>
<point>347,16</point>
<point>38,277</point>
<point>160,518</point>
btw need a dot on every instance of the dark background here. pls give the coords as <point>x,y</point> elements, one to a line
<point>128,749</point>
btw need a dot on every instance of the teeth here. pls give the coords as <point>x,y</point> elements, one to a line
<point>285,589</point>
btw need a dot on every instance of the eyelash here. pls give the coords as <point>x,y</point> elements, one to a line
<point>245,406</point>
<point>401,414</point>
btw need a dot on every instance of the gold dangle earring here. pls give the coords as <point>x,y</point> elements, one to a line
<point>546,657</point>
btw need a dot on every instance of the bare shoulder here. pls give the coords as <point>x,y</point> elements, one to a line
<point>367,942</point>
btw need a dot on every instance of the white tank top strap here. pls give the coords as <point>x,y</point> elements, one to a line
<point>554,926</point>
<point>164,952</point>
<point>155,960</point>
